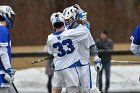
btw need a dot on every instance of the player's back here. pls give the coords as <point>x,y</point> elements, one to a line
<point>64,47</point>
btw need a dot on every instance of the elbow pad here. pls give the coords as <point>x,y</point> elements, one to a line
<point>93,50</point>
<point>135,49</point>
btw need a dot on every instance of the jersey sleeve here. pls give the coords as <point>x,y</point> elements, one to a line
<point>3,37</point>
<point>78,34</point>
<point>49,48</point>
<point>89,41</point>
<point>135,37</point>
<point>5,57</point>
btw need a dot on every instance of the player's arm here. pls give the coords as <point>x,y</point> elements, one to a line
<point>135,49</point>
<point>135,44</point>
<point>78,35</point>
<point>82,15</point>
<point>5,59</point>
<point>96,59</point>
<point>90,44</point>
<point>49,46</point>
<point>9,76</point>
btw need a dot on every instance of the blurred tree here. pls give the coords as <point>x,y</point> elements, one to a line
<point>56,5</point>
<point>32,23</point>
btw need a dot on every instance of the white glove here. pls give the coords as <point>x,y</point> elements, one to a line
<point>97,63</point>
<point>82,14</point>
<point>9,76</point>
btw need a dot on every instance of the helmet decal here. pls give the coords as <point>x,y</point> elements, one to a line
<point>57,17</point>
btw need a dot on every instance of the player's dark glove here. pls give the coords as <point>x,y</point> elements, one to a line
<point>9,76</point>
<point>97,63</point>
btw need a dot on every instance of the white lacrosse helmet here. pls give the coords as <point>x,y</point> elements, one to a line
<point>8,14</point>
<point>57,18</point>
<point>70,15</point>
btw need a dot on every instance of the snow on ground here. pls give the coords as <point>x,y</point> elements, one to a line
<point>123,78</point>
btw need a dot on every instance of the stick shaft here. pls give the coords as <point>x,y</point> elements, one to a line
<point>97,79</point>
<point>40,60</point>
<point>15,88</point>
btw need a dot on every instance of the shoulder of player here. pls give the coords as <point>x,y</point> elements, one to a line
<point>50,36</point>
<point>83,26</point>
<point>3,30</point>
<point>137,29</point>
<point>79,28</point>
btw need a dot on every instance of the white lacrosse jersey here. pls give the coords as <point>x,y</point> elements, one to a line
<point>64,47</point>
<point>84,48</point>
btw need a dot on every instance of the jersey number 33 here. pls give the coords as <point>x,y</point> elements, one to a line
<point>59,46</point>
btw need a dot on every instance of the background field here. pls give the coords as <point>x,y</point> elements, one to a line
<point>25,62</point>
<point>123,80</point>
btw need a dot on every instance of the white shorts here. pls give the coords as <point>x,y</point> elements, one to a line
<point>76,76</point>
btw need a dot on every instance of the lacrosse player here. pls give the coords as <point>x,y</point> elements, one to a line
<point>63,44</point>
<point>85,47</point>
<point>6,70</point>
<point>135,44</point>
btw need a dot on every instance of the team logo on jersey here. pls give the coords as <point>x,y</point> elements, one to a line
<point>58,37</point>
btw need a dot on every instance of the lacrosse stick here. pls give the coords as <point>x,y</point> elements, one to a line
<point>97,83</point>
<point>40,60</point>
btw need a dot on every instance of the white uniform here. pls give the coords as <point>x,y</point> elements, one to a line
<point>84,53</point>
<point>64,47</point>
<point>84,48</point>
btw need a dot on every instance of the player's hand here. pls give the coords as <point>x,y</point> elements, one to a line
<point>9,76</point>
<point>97,63</point>
<point>82,14</point>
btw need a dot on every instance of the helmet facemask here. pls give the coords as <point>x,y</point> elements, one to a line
<point>10,21</point>
<point>70,22</point>
<point>70,16</point>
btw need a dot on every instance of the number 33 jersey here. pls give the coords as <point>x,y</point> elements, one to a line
<point>64,47</point>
